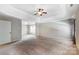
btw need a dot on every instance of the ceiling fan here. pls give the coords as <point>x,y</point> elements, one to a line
<point>40,12</point>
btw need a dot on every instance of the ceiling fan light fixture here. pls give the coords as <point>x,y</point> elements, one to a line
<point>40,12</point>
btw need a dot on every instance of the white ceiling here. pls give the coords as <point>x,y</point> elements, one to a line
<point>52,10</point>
<point>26,11</point>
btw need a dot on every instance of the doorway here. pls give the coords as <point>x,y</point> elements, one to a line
<point>5,32</point>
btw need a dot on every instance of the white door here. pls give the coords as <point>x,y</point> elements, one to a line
<point>5,32</point>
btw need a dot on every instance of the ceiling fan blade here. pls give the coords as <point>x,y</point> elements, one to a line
<point>44,12</point>
<point>40,9</point>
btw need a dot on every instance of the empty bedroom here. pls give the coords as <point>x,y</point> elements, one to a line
<point>39,29</point>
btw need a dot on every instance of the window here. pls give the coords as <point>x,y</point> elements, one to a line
<point>28,28</point>
<point>31,29</point>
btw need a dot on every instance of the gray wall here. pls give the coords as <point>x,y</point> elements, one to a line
<point>16,29</point>
<point>59,31</point>
<point>77,28</point>
<point>77,31</point>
